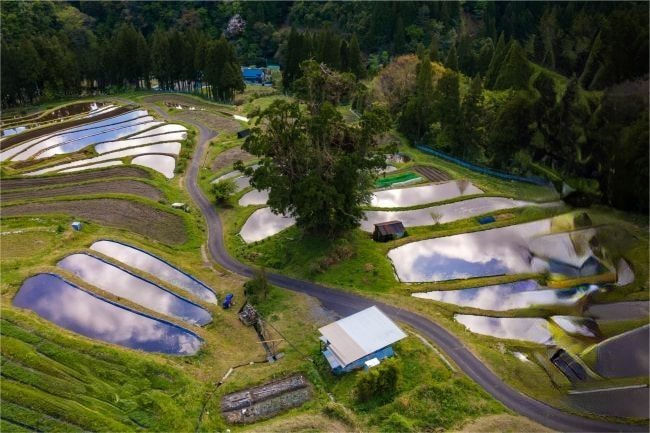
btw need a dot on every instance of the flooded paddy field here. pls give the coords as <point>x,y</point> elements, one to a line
<point>254,197</point>
<point>510,296</point>
<point>419,195</point>
<point>264,223</point>
<point>124,284</point>
<point>155,266</point>
<point>139,218</point>
<point>59,179</point>
<point>525,329</point>
<point>77,310</point>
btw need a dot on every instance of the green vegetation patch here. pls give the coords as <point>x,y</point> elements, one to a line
<point>53,382</point>
<point>384,182</point>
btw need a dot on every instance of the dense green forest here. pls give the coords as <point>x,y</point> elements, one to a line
<point>554,89</point>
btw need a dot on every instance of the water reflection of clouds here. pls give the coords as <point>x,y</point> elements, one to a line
<point>154,266</point>
<point>121,283</point>
<point>264,223</point>
<point>74,309</point>
<point>484,253</point>
<point>413,196</point>
<point>525,329</point>
<point>508,296</point>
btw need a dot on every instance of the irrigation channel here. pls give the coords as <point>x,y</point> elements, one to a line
<point>345,303</point>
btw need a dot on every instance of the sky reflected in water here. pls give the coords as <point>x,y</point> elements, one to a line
<point>74,309</point>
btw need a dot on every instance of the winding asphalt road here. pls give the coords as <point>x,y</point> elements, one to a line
<point>345,303</point>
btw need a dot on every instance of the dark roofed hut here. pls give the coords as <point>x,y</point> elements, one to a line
<point>243,133</point>
<point>388,231</point>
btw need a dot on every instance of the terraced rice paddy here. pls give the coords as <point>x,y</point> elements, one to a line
<point>32,182</point>
<point>507,250</point>
<point>155,266</point>
<point>442,213</point>
<point>161,163</point>
<point>510,296</point>
<point>109,186</point>
<point>264,223</point>
<point>419,195</point>
<point>254,197</point>
<point>524,329</point>
<point>77,310</point>
<point>130,215</point>
<point>127,285</point>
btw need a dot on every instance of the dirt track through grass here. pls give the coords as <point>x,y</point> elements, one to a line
<point>29,182</point>
<point>115,186</point>
<point>139,218</point>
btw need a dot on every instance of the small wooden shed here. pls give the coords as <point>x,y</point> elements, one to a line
<point>388,231</point>
<point>243,133</point>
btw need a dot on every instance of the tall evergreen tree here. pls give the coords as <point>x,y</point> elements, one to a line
<point>452,59</point>
<point>399,36</point>
<point>433,49</point>
<point>495,64</point>
<point>418,113</point>
<point>354,58</point>
<point>345,57</point>
<point>448,112</point>
<point>473,129</point>
<point>515,71</point>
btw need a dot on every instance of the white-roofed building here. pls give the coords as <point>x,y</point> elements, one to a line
<point>352,341</point>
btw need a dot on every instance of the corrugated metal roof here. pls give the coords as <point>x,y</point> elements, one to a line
<point>361,334</point>
<point>390,227</point>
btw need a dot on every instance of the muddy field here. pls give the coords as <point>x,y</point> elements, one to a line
<point>111,172</point>
<point>215,122</point>
<point>183,100</point>
<point>123,214</point>
<point>35,133</point>
<point>115,186</point>
<point>229,157</point>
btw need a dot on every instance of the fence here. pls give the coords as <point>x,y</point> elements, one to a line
<point>484,170</point>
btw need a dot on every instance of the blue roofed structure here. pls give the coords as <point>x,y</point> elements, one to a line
<point>253,75</point>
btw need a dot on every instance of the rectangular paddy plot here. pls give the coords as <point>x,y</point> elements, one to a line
<point>145,220</point>
<point>506,250</point>
<point>419,195</point>
<point>509,296</point>
<point>109,186</point>
<point>77,310</point>
<point>62,134</point>
<point>525,329</point>
<point>155,266</point>
<point>161,163</point>
<point>124,284</point>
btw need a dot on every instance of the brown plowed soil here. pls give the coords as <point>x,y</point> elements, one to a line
<point>35,133</point>
<point>119,213</point>
<point>115,186</point>
<point>433,174</point>
<point>216,122</point>
<point>31,182</point>
<point>229,157</point>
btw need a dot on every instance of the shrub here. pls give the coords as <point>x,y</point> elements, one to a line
<point>221,191</point>
<point>397,423</point>
<point>257,289</point>
<point>378,382</point>
<point>340,413</point>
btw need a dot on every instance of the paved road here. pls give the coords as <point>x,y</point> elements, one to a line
<point>345,303</point>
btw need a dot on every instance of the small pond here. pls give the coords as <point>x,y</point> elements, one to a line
<point>126,285</point>
<point>264,223</point>
<point>443,213</point>
<point>509,296</point>
<point>155,266</point>
<point>254,197</point>
<point>525,329</point>
<point>418,195</point>
<point>75,309</point>
<point>161,163</point>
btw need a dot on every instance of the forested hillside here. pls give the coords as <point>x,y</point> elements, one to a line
<point>547,88</point>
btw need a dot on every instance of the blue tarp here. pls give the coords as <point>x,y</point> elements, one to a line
<point>252,74</point>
